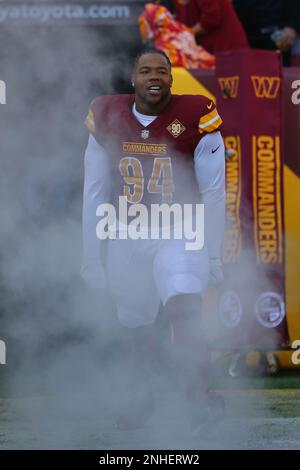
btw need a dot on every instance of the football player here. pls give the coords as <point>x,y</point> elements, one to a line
<point>154,147</point>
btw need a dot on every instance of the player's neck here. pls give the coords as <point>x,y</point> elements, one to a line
<point>151,110</point>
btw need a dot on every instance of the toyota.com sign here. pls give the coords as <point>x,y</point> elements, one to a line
<point>96,12</point>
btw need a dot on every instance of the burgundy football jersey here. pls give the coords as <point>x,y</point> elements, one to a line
<point>153,164</point>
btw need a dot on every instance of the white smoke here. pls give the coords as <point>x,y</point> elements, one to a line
<point>62,340</point>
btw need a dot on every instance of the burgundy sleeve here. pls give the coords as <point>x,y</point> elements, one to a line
<point>210,13</point>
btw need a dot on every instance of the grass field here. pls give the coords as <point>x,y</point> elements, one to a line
<point>262,413</point>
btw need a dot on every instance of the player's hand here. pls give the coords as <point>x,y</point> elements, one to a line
<point>216,276</point>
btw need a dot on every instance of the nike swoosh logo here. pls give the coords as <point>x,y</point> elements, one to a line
<point>214,150</point>
<point>209,106</point>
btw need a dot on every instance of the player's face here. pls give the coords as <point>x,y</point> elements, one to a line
<point>152,80</point>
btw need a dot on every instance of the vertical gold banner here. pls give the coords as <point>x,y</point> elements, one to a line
<point>233,236</point>
<point>266,199</point>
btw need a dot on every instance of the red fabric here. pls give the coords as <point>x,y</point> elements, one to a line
<point>158,25</point>
<point>218,18</point>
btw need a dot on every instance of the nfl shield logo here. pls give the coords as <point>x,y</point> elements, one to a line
<point>145,134</point>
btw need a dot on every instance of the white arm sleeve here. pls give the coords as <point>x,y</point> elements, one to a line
<point>97,190</point>
<point>209,158</point>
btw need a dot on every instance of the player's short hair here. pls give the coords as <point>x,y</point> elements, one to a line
<point>151,50</point>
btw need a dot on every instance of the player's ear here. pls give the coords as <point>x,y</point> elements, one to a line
<point>171,80</point>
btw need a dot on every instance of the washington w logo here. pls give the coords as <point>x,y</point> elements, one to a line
<point>229,86</point>
<point>265,87</point>
<point>2,92</point>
